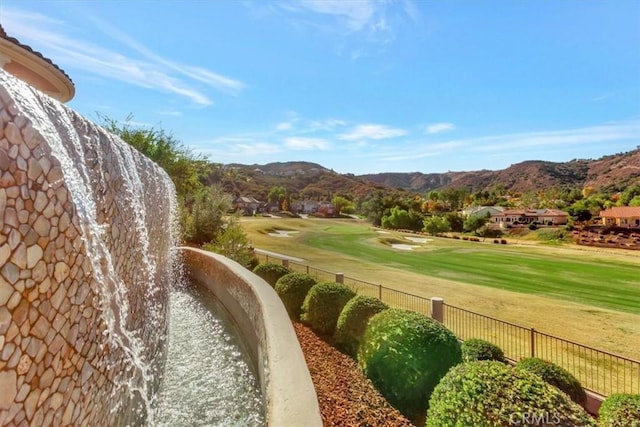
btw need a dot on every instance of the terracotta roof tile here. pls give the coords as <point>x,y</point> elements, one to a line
<point>621,212</point>
<point>3,35</point>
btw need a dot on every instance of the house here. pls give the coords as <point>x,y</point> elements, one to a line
<point>621,216</point>
<point>510,217</point>
<point>247,205</point>
<point>482,211</point>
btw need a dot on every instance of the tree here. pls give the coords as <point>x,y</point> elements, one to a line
<point>436,224</point>
<point>206,218</point>
<point>474,222</point>
<point>233,243</point>
<point>455,221</point>
<point>278,195</point>
<point>178,161</point>
<point>342,204</point>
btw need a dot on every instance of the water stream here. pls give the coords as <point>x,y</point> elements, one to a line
<point>208,380</point>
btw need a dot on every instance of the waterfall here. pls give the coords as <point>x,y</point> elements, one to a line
<point>124,208</point>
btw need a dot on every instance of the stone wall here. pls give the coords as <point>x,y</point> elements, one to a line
<point>85,265</point>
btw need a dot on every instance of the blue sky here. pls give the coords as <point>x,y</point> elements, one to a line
<point>357,86</point>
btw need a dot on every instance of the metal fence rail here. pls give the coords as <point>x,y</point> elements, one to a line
<point>597,370</point>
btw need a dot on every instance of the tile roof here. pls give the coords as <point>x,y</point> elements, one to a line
<point>621,212</point>
<point>3,35</point>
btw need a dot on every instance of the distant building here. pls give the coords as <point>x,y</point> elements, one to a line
<point>482,211</point>
<point>621,216</point>
<point>512,217</point>
<point>247,205</point>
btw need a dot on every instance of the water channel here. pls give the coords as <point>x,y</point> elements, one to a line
<point>208,379</point>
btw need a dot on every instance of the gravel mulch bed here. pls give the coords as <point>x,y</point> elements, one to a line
<point>345,395</point>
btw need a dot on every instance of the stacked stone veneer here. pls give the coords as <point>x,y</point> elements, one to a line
<point>84,232</point>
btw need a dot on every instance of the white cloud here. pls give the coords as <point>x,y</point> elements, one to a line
<point>552,141</point>
<point>326,125</point>
<point>363,27</point>
<point>283,126</point>
<point>150,70</point>
<point>357,14</point>
<point>299,143</point>
<point>439,127</point>
<point>371,131</point>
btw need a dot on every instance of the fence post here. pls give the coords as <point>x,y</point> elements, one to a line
<point>437,309</point>
<point>380,292</point>
<point>285,263</point>
<point>533,342</point>
<point>339,277</point>
<point>307,269</point>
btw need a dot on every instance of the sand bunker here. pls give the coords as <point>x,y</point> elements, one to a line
<point>419,239</point>
<point>282,233</point>
<point>404,247</point>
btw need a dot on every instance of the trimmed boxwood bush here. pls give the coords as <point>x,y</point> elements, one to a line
<point>353,321</point>
<point>292,289</point>
<point>323,304</point>
<point>405,354</point>
<point>494,394</point>
<point>556,376</point>
<point>620,410</point>
<point>271,272</point>
<point>475,349</point>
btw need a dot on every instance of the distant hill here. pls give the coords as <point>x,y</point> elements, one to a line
<point>615,172</point>
<point>310,180</point>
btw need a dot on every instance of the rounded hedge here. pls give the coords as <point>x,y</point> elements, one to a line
<point>494,394</point>
<point>475,349</point>
<point>556,376</point>
<point>271,272</point>
<point>323,304</point>
<point>405,354</point>
<point>620,410</point>
<point>292,289</point>
<point>353,321</point>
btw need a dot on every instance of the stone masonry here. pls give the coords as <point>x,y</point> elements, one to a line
<point>85,265</point>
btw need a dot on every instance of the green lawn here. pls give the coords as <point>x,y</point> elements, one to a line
<point>603,282</point>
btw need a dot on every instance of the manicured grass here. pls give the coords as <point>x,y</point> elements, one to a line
<point>614,285</point>
<point>602,281</point>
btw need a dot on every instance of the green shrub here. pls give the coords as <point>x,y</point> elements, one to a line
<point>271,272</point>
<point>353,321</point>
<point>405,354</point>
<point>494,394</point>
<point>475,349</point>
<point>620,410</point>
<point>292,289</point>
<point>556,376</point>
<point>323,304</point>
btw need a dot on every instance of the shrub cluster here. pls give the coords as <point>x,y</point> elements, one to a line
<point>620,410</point>
<point>323,304</point>
<point>556,376</point>
<point>490,393</point>
<point>353,322</point>
<point>271,272</point>
<point>405,354</point>
<point>475,349</point>
<point>292,289</point>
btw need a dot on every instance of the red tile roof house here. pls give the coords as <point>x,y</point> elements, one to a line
<point>621,216</point>
<point>550,217</point>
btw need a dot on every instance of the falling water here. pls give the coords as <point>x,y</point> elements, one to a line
<point>134,328</point>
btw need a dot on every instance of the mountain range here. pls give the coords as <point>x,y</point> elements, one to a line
<point>309,180</point>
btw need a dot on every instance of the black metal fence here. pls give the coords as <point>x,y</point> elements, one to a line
<point>598,371</point>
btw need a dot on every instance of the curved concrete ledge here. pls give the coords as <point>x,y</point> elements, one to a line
<point>290,397</point>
